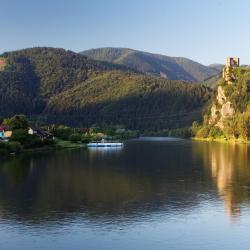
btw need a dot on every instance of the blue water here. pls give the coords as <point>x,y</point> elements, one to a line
<point>150,194</point>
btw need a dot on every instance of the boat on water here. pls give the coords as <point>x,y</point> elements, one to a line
<point>104,143</point>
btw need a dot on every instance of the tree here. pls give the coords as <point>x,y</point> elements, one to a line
<point>243,123</point>
<point>17,122</point>
<point>25,139</point>
<point>75,137</point>
<point>195,128</point>
<point>215,132</point>
<point>62,132</point>
<point>203,132</point>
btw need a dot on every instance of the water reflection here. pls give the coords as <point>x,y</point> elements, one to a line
<point>230,170</point>
<point>128,184</point>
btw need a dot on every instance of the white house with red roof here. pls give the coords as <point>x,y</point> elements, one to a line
<point>5,132</point>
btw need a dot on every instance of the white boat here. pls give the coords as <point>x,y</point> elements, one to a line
<point>105,144</point>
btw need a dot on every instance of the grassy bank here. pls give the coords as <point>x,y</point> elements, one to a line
<point>62,144</point>
<point>57,145</point>
<point>222,140</point>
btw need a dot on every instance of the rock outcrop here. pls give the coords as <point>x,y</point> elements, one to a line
<point>229,116</point>
<point>221,110</point>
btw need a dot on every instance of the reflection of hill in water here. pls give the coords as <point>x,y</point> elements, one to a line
<point>230,170</point>
<point>120,185</point>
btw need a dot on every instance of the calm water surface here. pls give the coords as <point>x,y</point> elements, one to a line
<point>151,194</point>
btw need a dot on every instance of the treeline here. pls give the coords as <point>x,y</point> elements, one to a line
<point>24,137</point>
<point>20,138</point>
<point>137,101</point>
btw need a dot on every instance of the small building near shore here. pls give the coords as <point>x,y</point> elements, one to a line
<point>1,133</point>
<point>5,132</point>
<point>42,134</point>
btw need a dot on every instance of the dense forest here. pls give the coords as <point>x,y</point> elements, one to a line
<point>172,68</point>
<point>61,86</point>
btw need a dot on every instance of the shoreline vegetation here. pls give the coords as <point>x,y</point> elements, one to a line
<point>60,144</point>
<point>18,136</point>
<point>222,140</point>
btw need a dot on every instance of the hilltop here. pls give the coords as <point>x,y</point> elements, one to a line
<point>228,116</point>
<point>172,68</point>
<point>63,86</point>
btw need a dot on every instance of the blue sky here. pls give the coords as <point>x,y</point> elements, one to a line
<point>205,31</point>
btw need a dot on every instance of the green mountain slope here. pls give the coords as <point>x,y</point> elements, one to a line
<point>32,76</point>
<point>67,87</point>
<point>216,66</point>
<point>212,81</point>
<point>135,100</point>
<point>173,68</point>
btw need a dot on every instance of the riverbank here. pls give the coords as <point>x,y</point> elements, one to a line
<point>58,144</point>
<point>222,140</point>
<point>62,144</point>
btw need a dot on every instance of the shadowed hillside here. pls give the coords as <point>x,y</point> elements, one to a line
<point>63,86</point>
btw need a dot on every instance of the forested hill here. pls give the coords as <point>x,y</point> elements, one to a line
<point>32,76</point>
<point>172,68</point>
<point>63,86</point>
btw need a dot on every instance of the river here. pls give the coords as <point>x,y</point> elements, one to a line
<point>160,194</point>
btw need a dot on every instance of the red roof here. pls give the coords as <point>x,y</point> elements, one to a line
<point>4,128</point>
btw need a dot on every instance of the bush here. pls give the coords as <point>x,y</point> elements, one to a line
<point>9,147</point>
<point>48,142</point>
<point>19,135</point>
<point>86,139</point>
<point>17,122</point>
<point>62,132</point>
<point>195,128</point>
<point>180,132</point>
<point>13,146</point>
<point>203,132</point>
<point>3,149</point>
<point>75,137</point>
<point>215,132</point>
<point>25,139</point>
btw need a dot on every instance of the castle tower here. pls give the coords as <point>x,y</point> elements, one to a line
<point>233,62</point>
<point>228,71</point>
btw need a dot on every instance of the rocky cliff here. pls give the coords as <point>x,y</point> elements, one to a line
<point>221,110</point>
<point>229,114</point>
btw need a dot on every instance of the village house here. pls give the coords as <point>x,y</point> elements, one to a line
<point>42,134</point>
<point>5,132</point>
<point>1,132</point>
